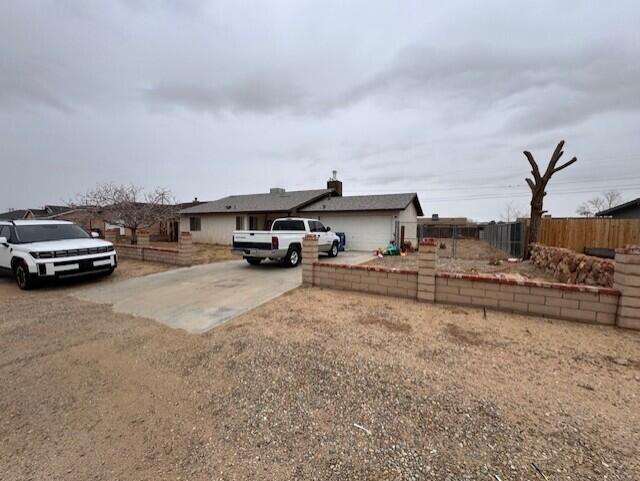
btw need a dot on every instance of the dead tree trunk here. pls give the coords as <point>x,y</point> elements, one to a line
<point>538,187</point>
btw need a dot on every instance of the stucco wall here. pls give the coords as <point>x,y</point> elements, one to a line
<point>409,219</point>
<point>215,228</point>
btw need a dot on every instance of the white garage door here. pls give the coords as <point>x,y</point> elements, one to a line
<point>363,232</point>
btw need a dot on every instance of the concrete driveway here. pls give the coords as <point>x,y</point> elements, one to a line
<point>201,297</point>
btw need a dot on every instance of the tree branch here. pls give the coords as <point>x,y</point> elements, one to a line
<point>531,184</point>
<point>534,166</point>
<point>557,153</point>
<point>563,166</point>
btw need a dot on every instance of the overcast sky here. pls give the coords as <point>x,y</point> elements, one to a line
<point>218,98</point>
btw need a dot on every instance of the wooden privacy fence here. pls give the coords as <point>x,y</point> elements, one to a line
<point>578,234</point>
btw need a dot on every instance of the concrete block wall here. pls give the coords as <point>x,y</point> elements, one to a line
<point>547,299</point>
<point>182,256</point>
<point>185,249</point>
<point>427,270</point>
<point>143,238</point>
<point>370,279</point>
<point>310,254</point>
<point>627,280</point>
<point>619,305</point>
<point>111,235</point>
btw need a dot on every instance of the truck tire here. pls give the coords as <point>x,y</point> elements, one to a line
<point>333,252</point>
<point>293,257</point>
<point>24,279</point>
<point>254,261</point>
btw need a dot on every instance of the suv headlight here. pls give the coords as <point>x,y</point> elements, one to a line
<point>41,255</point>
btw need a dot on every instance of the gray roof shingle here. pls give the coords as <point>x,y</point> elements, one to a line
<point>365,202</point>
<point>13,214</point>
<point>617,208</point>
<point>271,202</point>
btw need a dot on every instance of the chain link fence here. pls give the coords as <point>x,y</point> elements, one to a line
<point>509,237</point>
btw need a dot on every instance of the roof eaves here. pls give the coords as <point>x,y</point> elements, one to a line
<point>617,208</point>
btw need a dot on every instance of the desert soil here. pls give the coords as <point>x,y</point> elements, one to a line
<point>127,268</point>
<point>472,256</point>
<point>317,384</point>
<point>204,253</point>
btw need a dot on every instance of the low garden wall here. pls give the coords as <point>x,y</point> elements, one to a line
<point>569,267</point>
<point>143,251</point>
<point>619,305</point>
<point>562,301</point>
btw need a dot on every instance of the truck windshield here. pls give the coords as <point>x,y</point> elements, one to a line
<point>49,232</point>
<point>288,225</point>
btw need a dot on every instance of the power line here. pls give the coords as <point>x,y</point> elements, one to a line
<point>524,194</point>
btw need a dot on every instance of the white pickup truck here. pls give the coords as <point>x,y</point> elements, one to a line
<point>284,241</point>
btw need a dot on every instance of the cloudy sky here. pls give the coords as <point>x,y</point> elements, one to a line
<point>218,98</point>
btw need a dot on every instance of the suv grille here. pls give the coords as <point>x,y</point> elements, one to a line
<point>71,252</point>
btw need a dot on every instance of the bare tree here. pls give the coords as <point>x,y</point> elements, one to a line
<point>538,187</point>
<point>598,203</point>
<point>612,198</point>
<point>511,212</point>
<point>130,206</point>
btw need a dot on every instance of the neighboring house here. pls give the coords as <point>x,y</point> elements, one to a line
<point>628,210</point>
<point>368,221</point>
<point>17,214</point>
<point>47,212</point>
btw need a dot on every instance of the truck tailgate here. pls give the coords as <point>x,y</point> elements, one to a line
<point>252,239</point>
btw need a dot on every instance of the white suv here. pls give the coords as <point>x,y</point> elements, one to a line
<point>41,249</point>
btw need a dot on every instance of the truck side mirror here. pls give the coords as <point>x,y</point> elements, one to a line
<point>3,241</point>
<point>94,234</point>
<point>327,229</point>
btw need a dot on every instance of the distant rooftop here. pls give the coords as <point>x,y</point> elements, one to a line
<point>618,208</point>
<point>365,202</point>
<point>277,201</point>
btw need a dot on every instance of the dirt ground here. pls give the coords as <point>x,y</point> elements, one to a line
<point>205,253</point>
<point>208,253</point>
<point>126,269</point>
<point>471,256</point>
<point>364,387</point>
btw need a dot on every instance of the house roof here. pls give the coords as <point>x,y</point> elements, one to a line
<point>39,212</point>
<point>57,209</point>
<point>365,202</point>
<point>618,208</point>
<point>271,202</point>
<point>13,214</point>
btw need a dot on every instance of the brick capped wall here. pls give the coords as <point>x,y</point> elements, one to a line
<point>374,280</point>
<point>548,299</point>
<point>627,280</point>
<point>182,256</point>
<point>593,304</point>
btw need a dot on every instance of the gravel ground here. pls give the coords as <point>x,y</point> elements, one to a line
<point>471,256</point>
<point>363,387</point>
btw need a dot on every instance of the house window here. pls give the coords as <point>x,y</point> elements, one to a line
<point>253,222</point>
<point>194,224</point>
<point>239,222</point>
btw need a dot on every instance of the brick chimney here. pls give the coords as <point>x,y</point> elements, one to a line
<point>335,184</point>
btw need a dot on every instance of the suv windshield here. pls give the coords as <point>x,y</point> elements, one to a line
<point>49,232</point>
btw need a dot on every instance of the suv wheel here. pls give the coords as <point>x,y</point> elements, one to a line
<point>333,252</point>
<point>23,277</point>
<point>293,257</point>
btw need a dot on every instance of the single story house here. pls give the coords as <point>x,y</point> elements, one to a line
<point>628,210</point>
<point>368,221</point>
